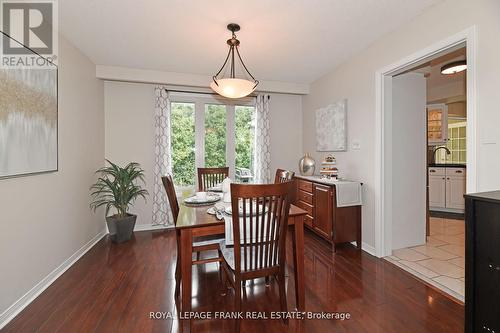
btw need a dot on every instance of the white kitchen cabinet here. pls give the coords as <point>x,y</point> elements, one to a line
<point>437,191</point>
<point>437,124</point>
<point>447,188</point>
<point>437,187</point>
<point>455,188</point>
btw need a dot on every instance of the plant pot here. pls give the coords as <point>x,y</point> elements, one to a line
<point>121,228</point>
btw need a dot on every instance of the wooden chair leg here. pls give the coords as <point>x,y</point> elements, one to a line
<point>281,284</point>
<point>268,281</point>
<point>223,278</point>
<point>177,277</point>
<point>237,303</point>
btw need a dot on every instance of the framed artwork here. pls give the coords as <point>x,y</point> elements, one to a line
<point>28,119</point>
<point>331,127</point>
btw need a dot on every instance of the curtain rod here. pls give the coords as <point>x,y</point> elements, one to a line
<point>205,93</point>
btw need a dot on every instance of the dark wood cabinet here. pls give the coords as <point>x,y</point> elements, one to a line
<point>336,225</point>
<point>482,262</point>
<point>323,202</point>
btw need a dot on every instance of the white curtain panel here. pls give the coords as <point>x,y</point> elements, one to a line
<point>163,157</point>
<point>262,158</point>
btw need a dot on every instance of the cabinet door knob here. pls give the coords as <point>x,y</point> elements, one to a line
<point>458,171</point>
<point>442,178</point>
<point>432,170</point>
<point>493,267</point>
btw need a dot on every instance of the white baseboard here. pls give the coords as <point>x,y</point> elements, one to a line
<point>149,227</point>
<point>25,300</point>
<point>367,248</point>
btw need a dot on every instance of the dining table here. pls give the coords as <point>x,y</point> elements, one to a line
<point>195,222</point>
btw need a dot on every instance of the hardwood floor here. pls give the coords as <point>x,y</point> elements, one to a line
<point>113,288</point>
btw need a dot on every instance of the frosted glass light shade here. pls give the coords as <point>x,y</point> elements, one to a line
<point>233,88</point>
<point>454,67</point>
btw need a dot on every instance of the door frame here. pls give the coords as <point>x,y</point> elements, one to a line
<point>383,109</point>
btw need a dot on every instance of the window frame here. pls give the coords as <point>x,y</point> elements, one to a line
<point>199,101</point>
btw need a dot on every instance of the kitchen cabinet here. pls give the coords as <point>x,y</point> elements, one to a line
<point>447,188</point>
<point>482,262</point>
<point>437,187</point>
<point>335,224</point>
<point>455,188</point>
<point>437,124</point>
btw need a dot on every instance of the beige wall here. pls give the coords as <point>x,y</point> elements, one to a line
<point>355,80</point>
<point>46,218</point>
<point>130,132</point>
<point>129,114</point>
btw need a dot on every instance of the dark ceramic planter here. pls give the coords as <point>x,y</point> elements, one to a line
<point>121,228</point>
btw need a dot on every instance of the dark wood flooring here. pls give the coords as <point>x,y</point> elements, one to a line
<point>113,288</point>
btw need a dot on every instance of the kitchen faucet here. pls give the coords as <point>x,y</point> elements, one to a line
<point>448,152</point>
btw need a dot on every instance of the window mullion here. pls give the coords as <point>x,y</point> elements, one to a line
<point>199,136</point>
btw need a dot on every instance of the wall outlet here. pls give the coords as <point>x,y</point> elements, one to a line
<point>356,145</point>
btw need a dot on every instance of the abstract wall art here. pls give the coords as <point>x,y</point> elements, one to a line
<point>331,127</point>
<point>28,120</point>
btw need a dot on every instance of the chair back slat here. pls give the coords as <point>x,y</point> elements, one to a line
<point>210,177</point>
<point>259,226</point>
<point>168,183</point>
<point>283,176</point>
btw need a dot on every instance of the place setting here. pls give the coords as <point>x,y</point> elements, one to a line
<point>202,199</point>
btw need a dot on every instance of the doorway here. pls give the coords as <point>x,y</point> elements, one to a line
<point>402,165</point>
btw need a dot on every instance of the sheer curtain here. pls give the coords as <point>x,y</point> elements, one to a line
<point>163,157</point>
<point>262,158</point>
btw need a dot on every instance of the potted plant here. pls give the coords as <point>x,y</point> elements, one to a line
<point>117,188</point>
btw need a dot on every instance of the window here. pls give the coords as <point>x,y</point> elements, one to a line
<point>244,124</point>
<point>456,142</point>
<point>182,121</point>
<point>215,135</point>
<point>208,133</point>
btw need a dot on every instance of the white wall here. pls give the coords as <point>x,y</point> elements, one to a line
<point>46,218</point>
<point>129,109</point>
<point>286,131</point>
<point>355,80</point>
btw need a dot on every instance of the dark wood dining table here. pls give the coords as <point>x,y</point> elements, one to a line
<point>195,221</point>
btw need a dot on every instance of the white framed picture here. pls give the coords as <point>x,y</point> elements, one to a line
<point>331,127</point>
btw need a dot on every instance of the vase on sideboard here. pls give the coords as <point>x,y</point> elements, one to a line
<point>307,165</point>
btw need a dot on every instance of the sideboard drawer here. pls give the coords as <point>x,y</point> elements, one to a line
<point>306,197</point>
<point>304,185</point>
<point>305,206</point>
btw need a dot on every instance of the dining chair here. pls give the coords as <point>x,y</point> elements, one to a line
<point>283,176</point>
<point>210,177</point>
<point>259,220</point>
<point>199,244</point>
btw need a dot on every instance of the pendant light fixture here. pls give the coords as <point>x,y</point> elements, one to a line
<point>230,86</point>
<point>454,67</point>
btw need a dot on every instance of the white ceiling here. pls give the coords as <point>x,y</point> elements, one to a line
<point>281,40</point>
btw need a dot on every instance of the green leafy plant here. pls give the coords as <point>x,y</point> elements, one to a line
<point>118,188</point>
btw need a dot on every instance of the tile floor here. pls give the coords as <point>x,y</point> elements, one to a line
<point>441,261</point>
